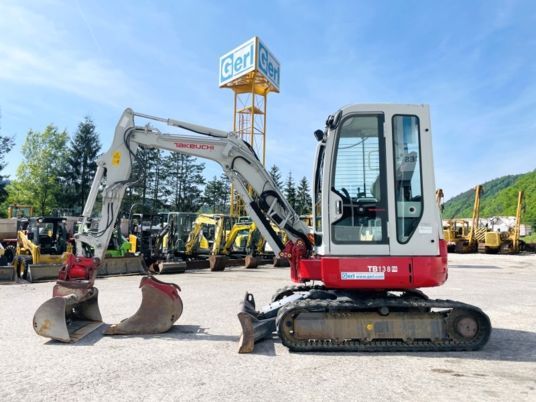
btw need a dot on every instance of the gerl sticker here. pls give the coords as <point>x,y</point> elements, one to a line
<point>362,276</point>
<point>425,229</point>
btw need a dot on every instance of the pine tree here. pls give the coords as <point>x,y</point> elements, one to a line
<point>290,191</point>
<point>6,144</point>
<point>275,173</point>
<point>183,177</point>
<point>81,164</point>
<point>147,188</point>
<point>216,195</point>
<point>303,198</point>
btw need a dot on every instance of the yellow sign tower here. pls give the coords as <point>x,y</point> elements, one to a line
<point>252,72</point>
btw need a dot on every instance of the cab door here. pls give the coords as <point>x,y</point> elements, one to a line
<point>415,226</point>
<point>355,186</point>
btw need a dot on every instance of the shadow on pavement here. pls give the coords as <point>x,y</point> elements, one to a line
<point>474,266</point>
<point>504,345</point>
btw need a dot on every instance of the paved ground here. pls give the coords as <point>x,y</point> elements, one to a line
<point>198,360</point>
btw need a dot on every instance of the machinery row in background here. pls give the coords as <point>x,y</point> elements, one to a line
<point>34,248</point>
<point>491,236</point>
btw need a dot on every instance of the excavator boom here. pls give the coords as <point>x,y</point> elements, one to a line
<point>75,286</point>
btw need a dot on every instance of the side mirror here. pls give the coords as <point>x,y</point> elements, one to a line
<point>319,135</point>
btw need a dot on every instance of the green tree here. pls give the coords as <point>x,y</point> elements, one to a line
<point>81,164</point>
<point>275,173</point>
<point>290,191</point>
<point>6,144</point>
<point>216,194</point>
<point>38,176</point>
<point>303,197</point>
<point>183,178</point>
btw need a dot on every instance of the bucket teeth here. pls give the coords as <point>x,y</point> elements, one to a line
<point>254,329</point>
<point>160,307</point>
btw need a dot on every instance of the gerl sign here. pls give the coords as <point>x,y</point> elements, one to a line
<point>250,56</point>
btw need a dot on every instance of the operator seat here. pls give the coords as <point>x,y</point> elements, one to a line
<point>404,174</point>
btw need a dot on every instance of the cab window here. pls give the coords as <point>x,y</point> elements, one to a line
<point>408,183</point>
<point>358,180</point>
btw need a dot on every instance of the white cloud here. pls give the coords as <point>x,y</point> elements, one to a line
<point>36,51</point>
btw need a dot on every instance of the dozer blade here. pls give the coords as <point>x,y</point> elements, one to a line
<point>131,265</point>
<point>171,267</point>
<point>253,328</point>
<point>43,272</point>
<point>8,274</point>
<point>160,307</point>
<point>68,317</point>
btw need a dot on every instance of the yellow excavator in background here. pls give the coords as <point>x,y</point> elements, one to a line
<point>169,245</point>
<point>207,229</point>
<point>468,243</point>
<point>506,242</point>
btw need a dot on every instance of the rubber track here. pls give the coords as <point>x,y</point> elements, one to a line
<point>295,288</point>
<point>394,345</point>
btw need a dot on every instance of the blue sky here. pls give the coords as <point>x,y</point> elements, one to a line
<point>473,61</point>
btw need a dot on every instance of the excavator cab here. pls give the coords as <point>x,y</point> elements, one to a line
<point>373,194</point>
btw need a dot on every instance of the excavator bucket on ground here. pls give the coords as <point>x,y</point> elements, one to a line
<point>251,261</point>
<point>218,262</point>
<point>73,311</point>
<point>160,307</point>
<point>70,315</point>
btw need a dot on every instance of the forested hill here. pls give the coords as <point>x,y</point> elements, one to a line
<point>499,197</point>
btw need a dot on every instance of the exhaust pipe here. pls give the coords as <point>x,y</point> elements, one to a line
<point>160,307</point>
<point>254,327</point>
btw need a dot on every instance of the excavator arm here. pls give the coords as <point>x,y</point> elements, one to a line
<point>75,297</point>
<point>235,156</point>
